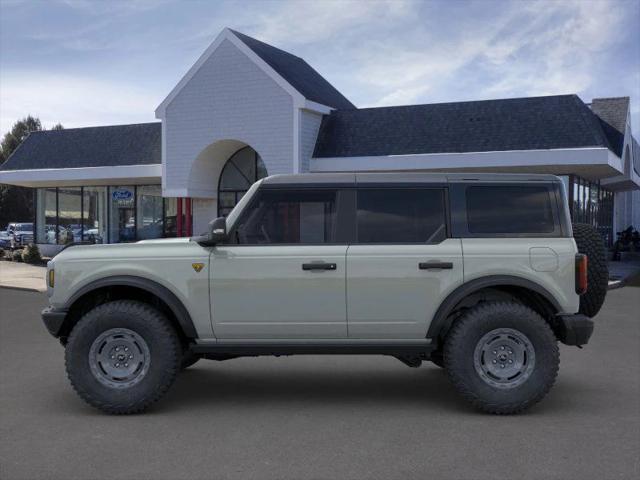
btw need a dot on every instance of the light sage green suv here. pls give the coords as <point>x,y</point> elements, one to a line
<point>480,274</point>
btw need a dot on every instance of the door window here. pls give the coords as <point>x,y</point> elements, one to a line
<point>289,217</point>
<point>396,215</point>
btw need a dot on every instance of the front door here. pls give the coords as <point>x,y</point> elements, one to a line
<point>282,275</point>
<point>402,264</point>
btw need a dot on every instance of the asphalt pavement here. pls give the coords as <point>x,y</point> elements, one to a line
<point>333,417</point>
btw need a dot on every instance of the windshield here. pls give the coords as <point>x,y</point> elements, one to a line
<point>24,227</point>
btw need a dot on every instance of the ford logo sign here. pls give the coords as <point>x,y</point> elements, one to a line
<point>122,194</point>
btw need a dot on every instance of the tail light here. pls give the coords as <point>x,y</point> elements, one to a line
<point>581,273</point>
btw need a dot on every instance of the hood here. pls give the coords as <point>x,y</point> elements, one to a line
<point>166,240</point>
<point>119,250</point>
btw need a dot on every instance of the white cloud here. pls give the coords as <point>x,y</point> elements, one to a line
<point>376,52</point>
<point>532,48</point>
<point>309,21</point>
<point>73,101</point>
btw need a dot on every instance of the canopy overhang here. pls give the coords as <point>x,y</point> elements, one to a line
<point>84,176</point>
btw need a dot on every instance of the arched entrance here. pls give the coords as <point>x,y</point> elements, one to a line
<point>241,170</point>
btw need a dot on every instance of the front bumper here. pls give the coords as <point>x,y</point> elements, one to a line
<point>53,319</point>
<point>574,329</point>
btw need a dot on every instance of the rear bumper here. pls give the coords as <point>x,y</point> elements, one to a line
<point>53,319</point>
<point>574,329</point>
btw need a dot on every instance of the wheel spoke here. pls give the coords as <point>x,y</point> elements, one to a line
<point>504,358</point>
<point>119,358</point>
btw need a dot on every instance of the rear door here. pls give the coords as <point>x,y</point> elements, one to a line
<point>402,264</point>
<point>284,274</point>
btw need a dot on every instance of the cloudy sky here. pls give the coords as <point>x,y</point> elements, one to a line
<point>84,63</point>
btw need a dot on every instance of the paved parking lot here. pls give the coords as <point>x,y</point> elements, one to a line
<point>320,417</point>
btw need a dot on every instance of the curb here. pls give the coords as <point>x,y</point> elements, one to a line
<point>23,289</point>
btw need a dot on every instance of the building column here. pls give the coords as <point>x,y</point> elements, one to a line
<point>179,217</point>
<point>184,217</point>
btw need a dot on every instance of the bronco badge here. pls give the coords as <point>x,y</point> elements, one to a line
<point>197,266</point>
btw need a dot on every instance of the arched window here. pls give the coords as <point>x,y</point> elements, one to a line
<point>243,168</point>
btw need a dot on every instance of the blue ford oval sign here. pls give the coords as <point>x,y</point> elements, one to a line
<point>122,194</point>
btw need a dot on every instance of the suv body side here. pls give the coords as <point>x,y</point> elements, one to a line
<point>377,290</point>
<point>261,290</point>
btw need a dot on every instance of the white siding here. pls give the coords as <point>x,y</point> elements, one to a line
<point>203,211</point>
<point>228,98</point>
<point>309,126</point>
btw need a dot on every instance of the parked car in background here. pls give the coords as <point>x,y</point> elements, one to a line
<point>5,239</point>
<point>20,234</point>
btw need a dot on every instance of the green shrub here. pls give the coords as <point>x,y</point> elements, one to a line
<point>1,253</point>
<point>31,254</point>
<point>16,256</point>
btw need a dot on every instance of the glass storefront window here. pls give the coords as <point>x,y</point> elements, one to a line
<point>122,214</point>
<point>149,210</point>
<point>46,216</point>
<point>170,217</point>
<point>94,214</point>
<point>69,215</point>
<point>592,204</point>
<point>243,168</point>
<point>103,214</point>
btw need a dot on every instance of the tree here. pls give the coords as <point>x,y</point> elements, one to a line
<point>16,203</point>
<point>17,134</point>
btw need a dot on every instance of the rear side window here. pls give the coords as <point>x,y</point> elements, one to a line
<point>389,215</point>
<point>289,217</point>
<point>509,209</point>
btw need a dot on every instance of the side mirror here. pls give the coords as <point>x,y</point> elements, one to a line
<point>218,230</point>
<point>217,233</point>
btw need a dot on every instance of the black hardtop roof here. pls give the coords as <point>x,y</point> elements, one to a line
<point>313,179</point>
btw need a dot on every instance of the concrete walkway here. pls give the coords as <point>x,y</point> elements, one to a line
<point>22,276</point>
<point>620,272</point>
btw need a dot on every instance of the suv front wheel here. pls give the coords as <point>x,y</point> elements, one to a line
<point>502,357</point>
<point>122,356</point>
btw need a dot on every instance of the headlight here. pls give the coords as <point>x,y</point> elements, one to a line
<point>52,277</point>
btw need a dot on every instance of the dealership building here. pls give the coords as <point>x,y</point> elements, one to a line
<point>246,110</point>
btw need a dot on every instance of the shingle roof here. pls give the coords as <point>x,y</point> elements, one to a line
<point>115,145</point>
<point>613,116</point>
<point>532,123</point>
<point>612,110</point>
<point>298,73</point>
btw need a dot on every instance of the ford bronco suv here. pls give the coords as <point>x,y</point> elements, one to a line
<point>480,274</point>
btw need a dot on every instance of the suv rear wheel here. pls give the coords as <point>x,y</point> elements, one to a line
<point>122,356</point>
<point>502,357</point>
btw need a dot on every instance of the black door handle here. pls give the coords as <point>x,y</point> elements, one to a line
<point>435,265</point>
<point>319,266</point>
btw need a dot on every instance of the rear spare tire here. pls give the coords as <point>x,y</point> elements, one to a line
<point>589,242</point>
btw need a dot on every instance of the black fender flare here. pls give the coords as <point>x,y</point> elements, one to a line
<point>167,296</point>
<point>441,321</point>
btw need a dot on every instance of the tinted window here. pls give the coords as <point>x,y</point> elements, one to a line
<point>401,215</point>
<point>289,217</point>
<point>509,209</point>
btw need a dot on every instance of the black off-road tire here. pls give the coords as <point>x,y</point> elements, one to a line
<point>154,330</point>
<point>590,242</point>
<point>437,358</point>
<point>188,359</point>
<point>469,331</point>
